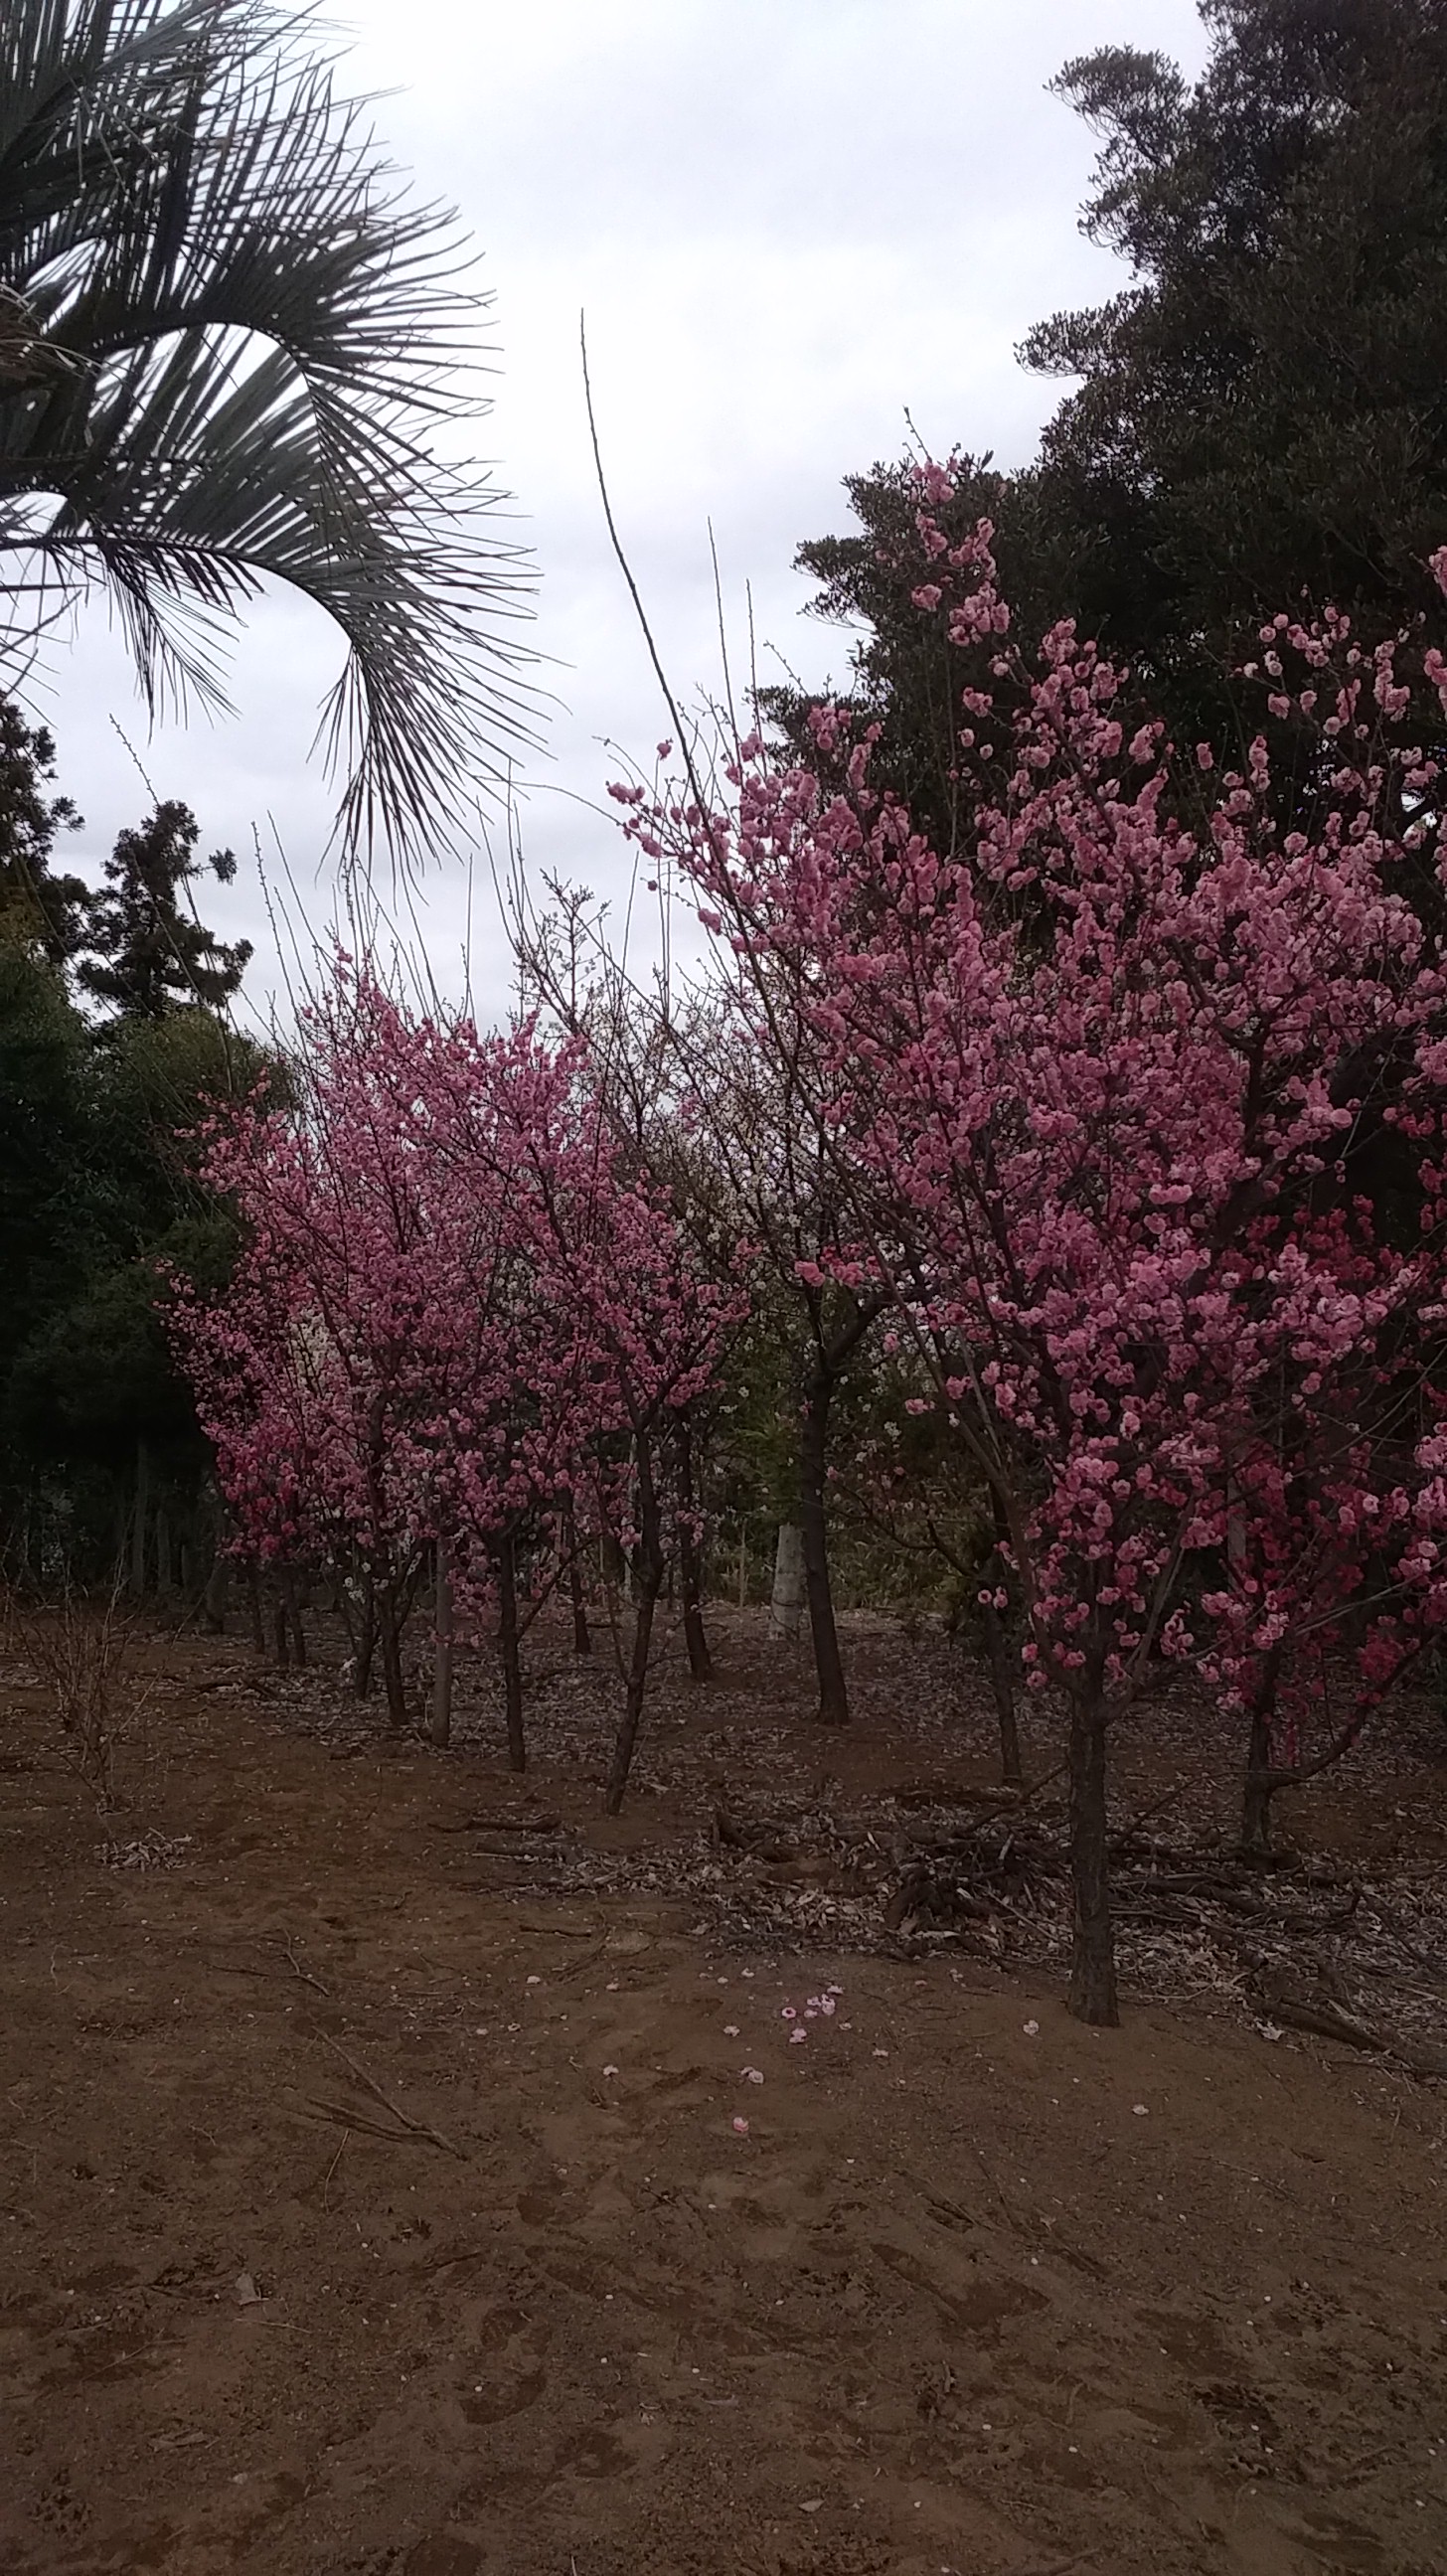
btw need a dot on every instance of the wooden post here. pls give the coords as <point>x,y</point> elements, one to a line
<point>786,1609</point>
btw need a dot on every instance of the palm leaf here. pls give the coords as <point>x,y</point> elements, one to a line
<point>227,336</point>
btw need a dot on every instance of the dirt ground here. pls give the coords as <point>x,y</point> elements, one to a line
<point>374,2199</point>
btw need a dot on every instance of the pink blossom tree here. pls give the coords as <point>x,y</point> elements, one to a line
<point>623,1281</point>
<point>378,1380</point>
<point>725,1125</point>
<point>1083,1078</point>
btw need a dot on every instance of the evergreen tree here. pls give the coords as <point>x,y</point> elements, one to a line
<point>36,906</point>
<point>1261,412</point>
<point>151,952</point>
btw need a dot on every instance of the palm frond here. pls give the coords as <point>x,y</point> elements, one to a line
<point>234,336</point>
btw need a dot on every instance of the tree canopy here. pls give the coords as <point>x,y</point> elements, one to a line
<point>1258,415</point>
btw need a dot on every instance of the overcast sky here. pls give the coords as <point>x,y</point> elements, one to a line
<point>788,221</point>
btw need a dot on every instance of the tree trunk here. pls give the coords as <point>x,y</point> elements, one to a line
<point>140,1520</point>
<point>1258,1788</point>
<point>215,1597</point>
<point>690,1561</point>
<point>647,1571</point>
<point>504,1557</point>
<point>366,1638</point>
<point>442,1650</point>
<point>787,1606</point>
<point>253,1603</point>
<point>291,1614</point>
<point>813,1472</point>
<point>1092,1976</point>
<point>999,1655</point>
<point>390,1639</point>
<point>1262,1777</point>
<point>577,1597</point>
<point>613,1566</point>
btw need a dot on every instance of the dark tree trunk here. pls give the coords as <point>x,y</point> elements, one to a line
<point>568,1536</point>
<point>690,1561</point>
<point>366,1638</point>
<point>647,1584</point>
<point>253,1603</point>
<point>390,1639</point>
<point>818,1591</point>
<point>613,1566</point>
<point>1263,1778</point>
<point>1258,1789</point>
<point>1092,1976</point>
<point>291,1615</point>
<point>442,1650</point>
<point>999,1655</point>
<point>141,1520</point>
<point>505,1559</point>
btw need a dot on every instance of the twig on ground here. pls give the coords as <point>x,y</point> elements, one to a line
<point>336,2160</point>
<point>418,2128</point>
<point>305,1974</point>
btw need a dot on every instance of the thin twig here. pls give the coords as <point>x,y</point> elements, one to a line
<point>304,1973</point>
<point>336,2160</point>
<point>419,2128</point>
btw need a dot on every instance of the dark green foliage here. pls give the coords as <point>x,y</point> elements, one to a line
<point>1263,411</point>
<point>905,675</point>
<point>149,951</point>
<point>46,1136</point>
<point>99,1194</point>
<point>35,905</point>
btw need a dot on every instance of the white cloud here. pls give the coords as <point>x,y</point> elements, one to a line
<point>787,220</point>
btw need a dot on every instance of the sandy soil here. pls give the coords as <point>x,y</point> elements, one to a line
<point>365,2208</point>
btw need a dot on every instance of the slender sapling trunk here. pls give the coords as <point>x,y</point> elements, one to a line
<point>505,1559</point>
<point>390,1639</point>
<point>442,1649</point>
<point>813,1485</point>
<point>1092,1976</point>
<point>690,1561</point>
<point>648,1571</point>
<point>577,1596</point>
